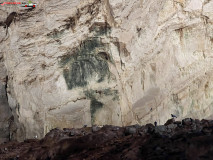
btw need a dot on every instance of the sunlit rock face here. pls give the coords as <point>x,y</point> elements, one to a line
<point>86,62</point>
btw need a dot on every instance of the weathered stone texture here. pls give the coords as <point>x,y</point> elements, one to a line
<point>84,62</point>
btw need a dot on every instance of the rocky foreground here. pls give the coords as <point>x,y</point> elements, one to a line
<point>186,139</point>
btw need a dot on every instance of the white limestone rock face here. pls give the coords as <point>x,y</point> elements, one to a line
<point>119,62</point>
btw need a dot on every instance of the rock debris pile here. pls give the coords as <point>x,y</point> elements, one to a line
<point>186,139</point>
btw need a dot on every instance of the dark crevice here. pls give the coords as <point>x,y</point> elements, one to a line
<point>104,55</point>
<point>6,81</point>
<point>10,19</point>
<point>2,24</point>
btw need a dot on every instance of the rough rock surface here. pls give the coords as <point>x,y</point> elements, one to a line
<point>190,139</point>
<point>118,62</point>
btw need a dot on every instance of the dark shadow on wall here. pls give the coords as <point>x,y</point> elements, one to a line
<point>5,115</point>
<point>10,128</point>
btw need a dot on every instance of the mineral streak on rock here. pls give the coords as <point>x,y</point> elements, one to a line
<point>86,63</point>
<point>90,62</point>
<point>95,97</point>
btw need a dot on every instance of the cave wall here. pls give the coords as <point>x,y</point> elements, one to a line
<point>100,62</point>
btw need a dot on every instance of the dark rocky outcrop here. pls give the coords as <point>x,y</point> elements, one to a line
<point>177,140</point>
